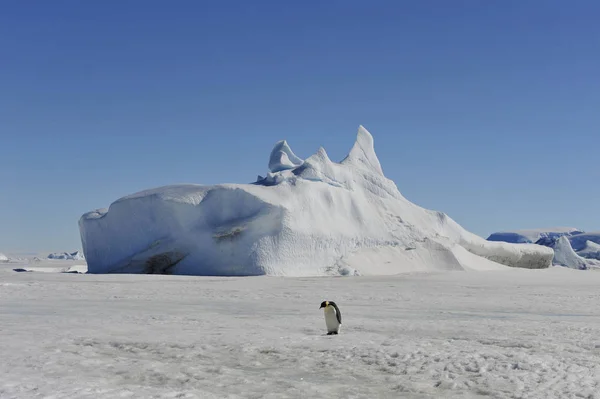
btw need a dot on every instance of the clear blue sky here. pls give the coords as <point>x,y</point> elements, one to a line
<point>488,111</point>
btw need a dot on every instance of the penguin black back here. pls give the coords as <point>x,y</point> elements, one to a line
<point>338,314</point>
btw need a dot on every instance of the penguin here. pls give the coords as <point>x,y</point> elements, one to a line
<point>333,317</point>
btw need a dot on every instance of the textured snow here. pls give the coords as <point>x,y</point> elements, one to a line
<point>309,218</point>
<point>506,334</point>
<point>532,235</point>
<point>3,258</point>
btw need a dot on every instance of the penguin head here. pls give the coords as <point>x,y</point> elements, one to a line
<point>324,304</point>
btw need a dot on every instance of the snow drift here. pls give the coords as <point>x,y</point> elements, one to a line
<point>3,258</point>
<point>305,218</point>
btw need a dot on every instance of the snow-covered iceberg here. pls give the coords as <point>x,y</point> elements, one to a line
<point>572,247</point>
<point>532,235</point>
<point>305,218</point>
<point>565,255</point>
<point>591,250</point>
<point>585,241</point>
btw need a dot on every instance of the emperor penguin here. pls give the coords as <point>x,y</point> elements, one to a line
<point>333,317</point>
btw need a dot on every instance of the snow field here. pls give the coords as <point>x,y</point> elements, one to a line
<point>498,334</point>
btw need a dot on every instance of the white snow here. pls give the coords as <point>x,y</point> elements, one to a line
<point>3,258</point>
<point>309,218</point>
<point>506,334</point>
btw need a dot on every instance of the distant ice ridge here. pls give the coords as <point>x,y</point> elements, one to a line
<point>307,217</point>
<point>532,235</point>
<point>572,247</point>
<point>67,256</point>
<point>10,259</point>
<point>591,250</point>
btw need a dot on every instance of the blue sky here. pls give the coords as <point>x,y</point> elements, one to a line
<point>488,111</point>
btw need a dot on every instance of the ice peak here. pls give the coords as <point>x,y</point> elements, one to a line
<point>363,151</point>
<point>283,158</point>
<point>322,154</point>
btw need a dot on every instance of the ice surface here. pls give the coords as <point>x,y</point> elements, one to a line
<point>500,334</point>
<point>308,218</point>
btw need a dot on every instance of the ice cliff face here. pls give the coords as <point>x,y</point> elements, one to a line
<point>305,218</point>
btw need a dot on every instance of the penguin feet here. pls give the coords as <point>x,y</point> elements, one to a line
<point>332,333</point>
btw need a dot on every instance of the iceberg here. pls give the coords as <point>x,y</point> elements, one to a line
<point>67,256</point>
<point>585,241</point>
<point>532,235</point>
<point>572,247</point>
<point>311,217</point>
<point>564,255</point>
<point>591,250</point>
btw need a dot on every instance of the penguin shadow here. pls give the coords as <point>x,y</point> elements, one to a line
<point>312,332</point>
<point>316,332</point>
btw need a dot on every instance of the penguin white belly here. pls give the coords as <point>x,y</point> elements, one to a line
<point>331,320</point>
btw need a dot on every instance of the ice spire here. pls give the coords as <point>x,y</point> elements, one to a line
<point>282,158</point>
<point>363,152</point>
